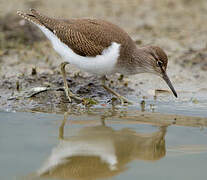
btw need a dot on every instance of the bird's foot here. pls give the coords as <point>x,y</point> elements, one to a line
<point>70,95</point>
<point>89,102</point>
<point>84,101</point>
<point>124,100</point>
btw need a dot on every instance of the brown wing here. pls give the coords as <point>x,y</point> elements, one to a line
<point>86,37</point>
<point>91,36</point>
<point>72,33</point>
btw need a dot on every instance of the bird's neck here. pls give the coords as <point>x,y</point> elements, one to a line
<point>141,57</point>
<point>134,61</point>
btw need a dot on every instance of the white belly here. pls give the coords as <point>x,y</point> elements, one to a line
<point>100,64</point>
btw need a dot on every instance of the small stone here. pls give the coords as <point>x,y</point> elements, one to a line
<point>34,71</point>
<point>204,67</point>
<point>195,101</point>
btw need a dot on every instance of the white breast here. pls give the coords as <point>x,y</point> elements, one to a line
<point>100,64</point>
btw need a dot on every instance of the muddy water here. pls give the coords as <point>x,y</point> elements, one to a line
<point>114,145</point>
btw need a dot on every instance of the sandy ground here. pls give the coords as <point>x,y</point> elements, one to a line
<point>178,26</point>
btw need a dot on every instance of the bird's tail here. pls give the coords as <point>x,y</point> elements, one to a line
<point>32,16</point>
<point>36,18</point>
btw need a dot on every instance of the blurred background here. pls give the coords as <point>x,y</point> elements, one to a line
<point>178,26</point>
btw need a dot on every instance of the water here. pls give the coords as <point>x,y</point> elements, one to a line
<point>93,146</point>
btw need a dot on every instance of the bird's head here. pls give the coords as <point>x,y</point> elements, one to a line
<point>156,63</point>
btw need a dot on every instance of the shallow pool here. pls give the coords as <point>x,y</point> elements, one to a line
<point>93,146</point>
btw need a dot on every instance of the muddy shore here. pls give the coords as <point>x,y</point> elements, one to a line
<point>28,61</point>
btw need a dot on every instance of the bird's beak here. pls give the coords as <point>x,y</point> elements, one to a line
<point>167,80</point>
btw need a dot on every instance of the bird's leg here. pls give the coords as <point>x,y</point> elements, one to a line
<point>103,121</point>
<point>61,128</point>
<point>68,93</point>
<point>121,98</point>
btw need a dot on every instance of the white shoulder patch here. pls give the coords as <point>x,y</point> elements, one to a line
<point>100,64</point>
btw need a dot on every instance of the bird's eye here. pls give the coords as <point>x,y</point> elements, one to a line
<point>159,63</point>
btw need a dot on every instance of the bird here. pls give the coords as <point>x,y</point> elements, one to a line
<point>99,47</point>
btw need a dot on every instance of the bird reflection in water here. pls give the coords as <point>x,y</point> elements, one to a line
<point>101,152</point>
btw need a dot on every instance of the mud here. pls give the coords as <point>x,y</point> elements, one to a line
<point>45,91</point>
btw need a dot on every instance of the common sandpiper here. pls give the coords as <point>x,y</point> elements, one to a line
<point>99,47</point>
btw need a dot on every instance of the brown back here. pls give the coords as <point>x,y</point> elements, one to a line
<point>86,37</point>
